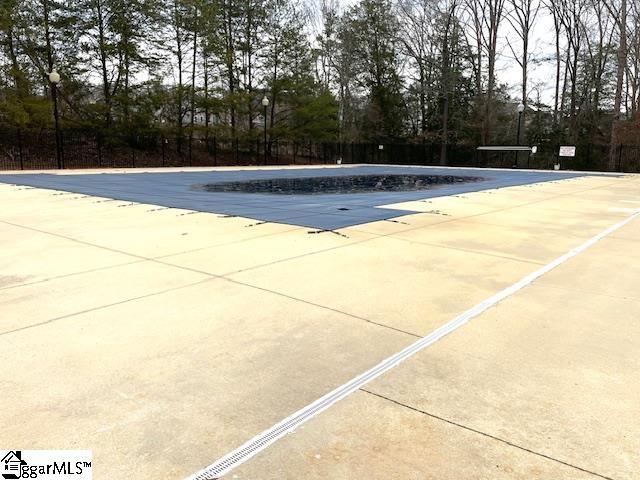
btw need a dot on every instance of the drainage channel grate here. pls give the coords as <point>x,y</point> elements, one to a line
<point>289,424</point>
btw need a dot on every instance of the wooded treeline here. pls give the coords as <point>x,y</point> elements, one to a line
<point>378,70</point>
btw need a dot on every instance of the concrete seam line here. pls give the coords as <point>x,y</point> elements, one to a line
<point>484,434</point>
<point>269,436</point>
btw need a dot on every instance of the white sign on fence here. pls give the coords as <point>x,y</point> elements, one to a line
<point>567,151</point>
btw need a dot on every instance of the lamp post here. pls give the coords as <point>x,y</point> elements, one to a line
<point>265,104</point>
<point>520,112</point>
<point>593,111</point>
<point>54,79</point>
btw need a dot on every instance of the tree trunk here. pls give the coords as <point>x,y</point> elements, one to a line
<point>423,102</point>
<point>106,88</point>
<point>193,83</point>
<point>205,67</point>
<point>126,77</point>
<point>178,32</point>
<point>230,53</point>
<point>556,98</point>
<point>622,63</point>
<point>445,89</point>
<point>250,64</point>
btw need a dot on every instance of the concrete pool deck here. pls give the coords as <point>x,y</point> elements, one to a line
<point>164,338</point>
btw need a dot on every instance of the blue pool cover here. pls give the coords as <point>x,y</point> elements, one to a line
<point>318,211</point>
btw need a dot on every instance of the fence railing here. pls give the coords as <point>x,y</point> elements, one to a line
<point>29,150</point>
<point>589,157</point>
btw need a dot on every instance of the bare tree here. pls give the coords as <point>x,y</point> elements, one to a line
<point>486,17</point>
<point>195,25</point>
<point>176,20</point>
<point>633,60</point>
<point>570,15</point>
<point>619,11</point>
<point>557,28</point>
<point>598,49</point>
<point>449,22</point>
<point>522,16</point>
<point>599,30</point>
<point>339,70</point>
<point>228,55</point>
<point>417,17</point>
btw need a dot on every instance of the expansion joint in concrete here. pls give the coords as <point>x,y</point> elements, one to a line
<point>485,434</point>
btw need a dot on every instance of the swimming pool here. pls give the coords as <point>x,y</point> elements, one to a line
<point>337,184</point>
<point>321,210</point>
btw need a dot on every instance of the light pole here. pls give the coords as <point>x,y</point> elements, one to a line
<point>594,111</point>
<point>265,104</point>
<point>520,112</point>
<point>54,79</point>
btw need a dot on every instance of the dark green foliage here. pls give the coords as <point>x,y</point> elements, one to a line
<point>372,32</point>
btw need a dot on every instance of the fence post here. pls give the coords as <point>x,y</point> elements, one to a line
<point>620,158</point>
<point>99,148</point>
<point>215,152</point>
<point>162,148</point>
<point>62,148</point>
<point>424,152</point>
<point>20,149</point>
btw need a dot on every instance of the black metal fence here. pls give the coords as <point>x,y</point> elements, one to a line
<point>22,150</point>
<point>589,157</point>
<point>27,150</point>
